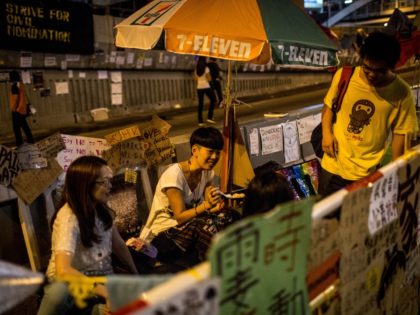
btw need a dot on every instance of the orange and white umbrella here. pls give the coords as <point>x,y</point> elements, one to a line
<point>245,30</point>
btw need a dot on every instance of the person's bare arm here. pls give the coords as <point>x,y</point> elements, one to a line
<point>177,204</point>
<point>329,142</point>
<point>397,145</point>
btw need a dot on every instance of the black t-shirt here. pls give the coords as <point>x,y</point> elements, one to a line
<point>15,88</point>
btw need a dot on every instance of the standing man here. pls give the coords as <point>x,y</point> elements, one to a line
<point>377,102</point>
<point>18,108</point>
<point>216,79</point>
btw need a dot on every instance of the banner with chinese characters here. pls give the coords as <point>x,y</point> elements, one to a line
<point>262,262</point>
<point>380,259</point>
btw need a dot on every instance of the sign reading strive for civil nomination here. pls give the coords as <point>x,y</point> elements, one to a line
<point>48,27</point>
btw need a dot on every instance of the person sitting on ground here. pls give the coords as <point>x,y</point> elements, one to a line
<point>83,236</point>
<point>185,191</point>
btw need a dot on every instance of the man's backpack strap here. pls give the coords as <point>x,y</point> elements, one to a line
<point>343,84</point>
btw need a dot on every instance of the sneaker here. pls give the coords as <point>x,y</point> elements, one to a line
<point>211,121</point>
<point>201,124</point>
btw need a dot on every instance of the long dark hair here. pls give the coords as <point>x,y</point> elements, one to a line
<point>78,193</point>
<point>201,66</point>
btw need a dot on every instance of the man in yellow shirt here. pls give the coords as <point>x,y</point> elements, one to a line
<point>377,102</point>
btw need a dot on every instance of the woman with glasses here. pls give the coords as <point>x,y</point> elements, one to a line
<point>83,236</point>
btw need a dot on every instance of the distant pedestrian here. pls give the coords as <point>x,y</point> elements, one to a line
<point>216,79</point>
<point>18,108</point>
<point>203,78</point>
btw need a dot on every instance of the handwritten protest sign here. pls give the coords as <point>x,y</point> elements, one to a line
<point>271,139</point>
<point>123,134</point>
<point>30,157</point>
<point>262,262</point>
<point>254,141</point>
<point>372,267</point>
<point>51,146</point>
<point>291,142</point>
<point>305,127</point>
<point>198,299</point>
<point>383,202</point>
<point>9,165</point>
<point>77,146</point>
<point>29,184</point>
<point>145,145</point>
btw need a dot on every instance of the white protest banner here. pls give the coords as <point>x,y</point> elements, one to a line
<point>271,139</point>
<point>9,165</point>
<point>77,146</point>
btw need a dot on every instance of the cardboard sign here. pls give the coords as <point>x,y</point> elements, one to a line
<point>77,146</point>
<point>141,146</point>
<point>30,157</point>
<point>123,134</point>
<point>29,184</point>
<point>261,261</point>
<point>9,165</point>
<point>51,146</point>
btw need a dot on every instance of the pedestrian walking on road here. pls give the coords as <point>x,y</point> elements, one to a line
<point>216,79</point>
<point>203,78</point>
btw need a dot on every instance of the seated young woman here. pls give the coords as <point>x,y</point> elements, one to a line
<point>184,200</point>
<point>83,236</point>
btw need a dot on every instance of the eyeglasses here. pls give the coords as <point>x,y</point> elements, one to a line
<point>106,182</point>
<point>379,71</point>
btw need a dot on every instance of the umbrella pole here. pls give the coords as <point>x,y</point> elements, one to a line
<point>230,123</point>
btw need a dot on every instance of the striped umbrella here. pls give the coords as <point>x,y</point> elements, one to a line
<point>247,30</point>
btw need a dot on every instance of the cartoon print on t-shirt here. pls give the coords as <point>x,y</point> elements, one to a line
<point>360,116</point>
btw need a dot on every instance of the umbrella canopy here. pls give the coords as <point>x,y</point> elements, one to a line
<point>248,30</point>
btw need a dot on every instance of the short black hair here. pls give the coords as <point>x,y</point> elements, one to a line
<point>380,46</point>
<point>266,190</point>
<point>208,137</point>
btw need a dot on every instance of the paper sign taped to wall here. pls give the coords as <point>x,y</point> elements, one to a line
<point>271,139</point>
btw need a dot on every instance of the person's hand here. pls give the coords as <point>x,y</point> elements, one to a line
<point>135,243</point>
<point>216,208</point>
<point>213,196</point>
<point>329,144</point>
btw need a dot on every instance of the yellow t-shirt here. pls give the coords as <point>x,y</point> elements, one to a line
<point>366,118</point>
